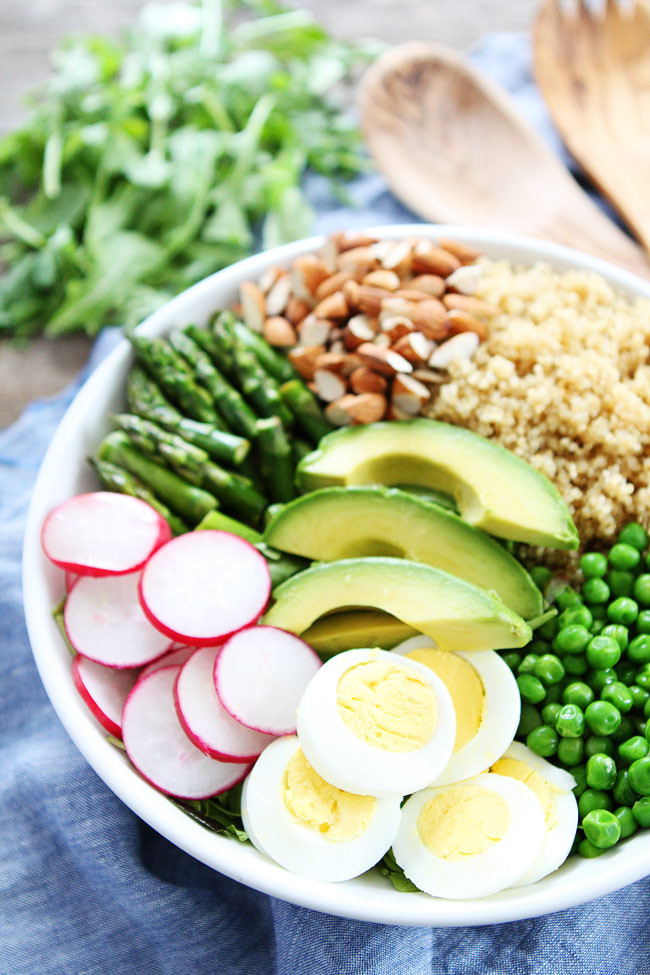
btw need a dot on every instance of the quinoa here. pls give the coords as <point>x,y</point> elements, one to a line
<point>563,380</point>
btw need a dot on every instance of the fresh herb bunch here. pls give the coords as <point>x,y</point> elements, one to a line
<point>150,162</point>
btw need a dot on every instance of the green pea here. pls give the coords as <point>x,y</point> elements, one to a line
<point>639,773</point>
<point>597,627</point>
<point>543,741</point>
<point>634,534</point>
<point>641,811</point>
<point>588,850</point>
<point>580,775</point>
<point>570,721</point>
<point>548,630</point>
<point>550,712</point>
<point>593,565</point>
<point>576,615</point>
<point>527,665</point>
<point>639,649</point>
<point>599,613</point>
<point>618,632</point>
<point>640,696</point>
<point>601,772</point>
<point>623,556</point>
<point>572,639</point>
<point>602,717</point>
<point>578,693</point>
<point>531,688</point>
<point>626,821</point>
<point>553,694</point>
<point>575,664</point>
<point>623,610</point>
<point>571,751</point>
<point>602,828</point>
<point>530,718</point>
<point>626,672</point>
<point>643,621</point>
<point>646,707</point>
<point>541,576</point>
<point>539,647</point>
<point>625,730</point>
<point>600,678</point>
<point>620,582</point>
<point>592,799</point>
<point>595,592</point>
<point>603,652</point>
<point>549,669</point>
<point>622,791</point>
<point>618,695</point>
<point>512,659</point>
<point>642,589</point>
<point>646,731</point>
<point>643,677</point>
<point>596,744</point>
<point>633,748</point>
<point>567,597</point>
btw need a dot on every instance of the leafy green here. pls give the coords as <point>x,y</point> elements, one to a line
<point>390,868</point>
<point>148,162</point>
<point>222,814</point>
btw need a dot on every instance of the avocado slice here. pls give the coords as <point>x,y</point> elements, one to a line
<point>348,522</point>
<point>454,613</point>
<point>494,489</point>
<point>355,628</point>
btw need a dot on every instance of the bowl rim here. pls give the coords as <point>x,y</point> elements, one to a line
<point>371,897</point>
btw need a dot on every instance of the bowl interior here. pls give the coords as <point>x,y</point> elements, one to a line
<point>64,473</point>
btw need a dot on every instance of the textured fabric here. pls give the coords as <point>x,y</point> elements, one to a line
<point>87,889</point>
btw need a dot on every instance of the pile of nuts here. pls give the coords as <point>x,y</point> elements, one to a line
<point>371,325</point>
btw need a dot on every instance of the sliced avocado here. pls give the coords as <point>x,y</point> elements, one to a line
<point>494,489</point>
<point>454,613</point>
<point>349,522</point>
<point>354,628</point>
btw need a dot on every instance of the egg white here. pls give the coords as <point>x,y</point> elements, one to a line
<point>501,712</point>
<point>485,873</point>
<point>342,758</point>
<point>559,838</point>
<point>276,833</point>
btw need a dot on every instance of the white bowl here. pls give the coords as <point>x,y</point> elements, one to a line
<point>65,472</point>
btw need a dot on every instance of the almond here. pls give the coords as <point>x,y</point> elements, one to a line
<point>278,331</point>
<point>356,258</point>
<point>430,376</point>
<point>394,413</point>
<point>253,305</point>
<point>396,326</point>
<point>461,346</point>
<point>278,296</point>
<point>465,279</point>
<point>429,259</point>
<point>432,284</point>
<point>397,256</point>
<point>333,306</point>
<point>462,321</point>
<point>357,409</point>
<point>387,280</point>
<point>338,412</point>
<point>270,276</point>
<point>364,298</point>
<point>464,252</point>
<point>333,283</point>
<point>384,361</point>
<point>357,331</point>
<point>409,395</point>
<point>307,272</point>
<point>304,358</point>
<point>470,304</point>
<point>329,385</point>
<point>351,239</point>
<point>431,317</point>
<point>314,331</point>
<point>412,294</point>
<point>415,347</point>
<point>366,380</point>
<point>297,309</point>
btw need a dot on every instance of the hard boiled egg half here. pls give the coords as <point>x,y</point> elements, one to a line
<point>309,826</point>
<point>486,702</point>
<point>375,723</point>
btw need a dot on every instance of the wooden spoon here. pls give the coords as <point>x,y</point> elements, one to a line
<point>453,149</point>
<point>595,76</point>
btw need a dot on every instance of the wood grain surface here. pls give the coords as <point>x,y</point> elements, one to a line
<point>30,28</point>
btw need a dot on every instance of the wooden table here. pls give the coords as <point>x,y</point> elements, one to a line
<point>29,30</point>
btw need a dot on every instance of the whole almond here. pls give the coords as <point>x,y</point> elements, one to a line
<point>412,294</point>
<point>383,278</point>
<point>355,258</point>
<point>357,409</point>
<point>470,304</point>
<point>462,321</point>
<point>397,256</point>
<point>364,298</point>
<point>464,252</point>
<point>278,331</point>
<point>303,359</point>
<point>431,318</point>
<point>253,305</point>
<point>396,326</point>
<point>366,380</point>
<point>432,284</point>
<point>385,361</point>
<point>334,306</point>
<point>346,240</point>
<point>429,259</point>
<point>307,272</point>
<point>297,309</point>
<point>331,284</point>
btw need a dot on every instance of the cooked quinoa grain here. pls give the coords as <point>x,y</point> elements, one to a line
<point>563,380</point>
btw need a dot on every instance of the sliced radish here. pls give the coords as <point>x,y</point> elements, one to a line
<point>104,690</point>
<point>260,676</point>
<point>204,718</point>
<point>203,586</point>
<point>161,751</point>
<point>174,657</point>
<point>102,533</point>
<point>104,621</point>
<point>70,579</point>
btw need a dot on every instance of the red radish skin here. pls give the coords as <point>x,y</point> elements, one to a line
<point>176,656</point>
<point>203,717</point>
<point>104,690</point>
<point>261,674</point>
<point>161,751</point>
<point>102,533</point>
<point>70,579</point>
<point>202,587</point>
<point>104,621</point>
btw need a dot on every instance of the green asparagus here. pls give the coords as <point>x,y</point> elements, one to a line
<point>306,409</point>
<point>277,365</point>
<point>275,457</point>
<point>115,478</point>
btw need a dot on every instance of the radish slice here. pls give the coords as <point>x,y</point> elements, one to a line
<point>161,751</point>
<point>203,717</point>
<point>70,579</point>
<point>175,657</point>
<point>102,534</point>
<point>203,586</point>
<point>260,676</point>
<point>104,690</point>
<point>104,621</point>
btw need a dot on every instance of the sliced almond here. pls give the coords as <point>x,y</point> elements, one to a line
<point>307,272</point>
<point>396,326</point>
<point>465,279</point>
<point>394,305</point>
<point>462,321</point>
<point>464,252</point>
<point>383,278</point>
<point>253,305</point>
<point>415,347</point>
<point>356,258</point>
<point>461,346</point>
<point>314,331</point>
<point>409,395</point>
<point>303,359</point>
<point>279,332</point>
<point>382,339</point>
<point>397,257</point>
<point>385,361</point>
<point>366,380</point>
<point>430,377</point>
<point>297,309</point>
<point>431,317</point>
<point>470,304</point>
<point>278,296</point>
<point>432,284</point>
<point>357,331</point>
<point>347,240</point>
<point>337,346</point>
<point>412,294</point>
<point>429,259</point>
<point>332,284</point>
<point>334,306</point>
<point>329,385</point>
<point>270,276</point>
<point>357,409</point>
<point>394,413</point>
<point>333,362</point>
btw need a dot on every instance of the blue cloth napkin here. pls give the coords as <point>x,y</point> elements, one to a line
<point>88,889</point>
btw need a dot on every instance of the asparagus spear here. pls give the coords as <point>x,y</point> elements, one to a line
<point>220,355</point>
<point>300,448</point>
<point>277,365</point>
<point>146,399</point>
<point>191,503</point>
<point>281,566</point>
<point>236,413</point>
<point>306,409</point>
<point>115,478</point>
<point>171,372</point>
<point>276,460</point>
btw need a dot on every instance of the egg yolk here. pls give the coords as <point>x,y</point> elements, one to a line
<point>464,685</point>
<point>540,786</point>
<point>464,821</point>
<point>387,706</point>
<point>337,815</point>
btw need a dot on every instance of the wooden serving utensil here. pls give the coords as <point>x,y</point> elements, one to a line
<point>454,149</point>
<point>594,73</point>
